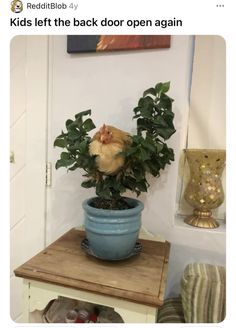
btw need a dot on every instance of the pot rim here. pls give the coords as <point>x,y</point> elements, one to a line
<point>106,212</point>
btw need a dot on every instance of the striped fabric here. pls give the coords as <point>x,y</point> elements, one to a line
<point>171,311</point>
<point>203,293</point>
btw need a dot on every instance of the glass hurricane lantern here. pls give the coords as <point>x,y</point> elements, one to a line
<point>204,190</point>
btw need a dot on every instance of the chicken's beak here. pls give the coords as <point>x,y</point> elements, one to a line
<point>102,138</point>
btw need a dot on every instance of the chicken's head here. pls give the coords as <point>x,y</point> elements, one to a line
<point>105,134</point>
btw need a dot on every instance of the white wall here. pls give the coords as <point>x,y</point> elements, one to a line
<point>110,84</point>
<point>207,120</point>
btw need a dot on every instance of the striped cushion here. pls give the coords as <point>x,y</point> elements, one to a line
<point>171,311</point>
<point>203,293</point>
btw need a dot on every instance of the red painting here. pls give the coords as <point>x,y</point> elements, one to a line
<point>97,43</point>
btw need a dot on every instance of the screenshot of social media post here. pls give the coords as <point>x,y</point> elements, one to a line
<point>118,129</point>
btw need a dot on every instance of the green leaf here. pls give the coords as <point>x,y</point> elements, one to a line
<point>74,146</point>
<point>74,167</point>
<point>164,128</point>
<point>165,87</point>
<point>159,146</point>
<point>151,91</point>
<point>83,146</point>
<point>64,163</point>
<point>139,173</point>
<point>160,122</point>
<point>65,155</point>
<point>88,184</point>
<point>105,193</point>
<point>153,166</point>
<point>146,111</point>
<point>143,124</point>
<point>165,133</point>
<point>144,154</point>
<point>130,182</point>
<point>158,87</point>
<point>68,122</point>
<point>59,163</point>
<point>136,110</point>
<point>165,102</point>
<point>162,87</point>
<point>143,102</point>
<point>60,143</point>
<point>131,150</point>
<point>168,116</point>
<point>148,144</point>
<point>88,125</point>
<point>74,135</point>
<point>102,190</point>
<point>83,113</point>
<point>141,185</point>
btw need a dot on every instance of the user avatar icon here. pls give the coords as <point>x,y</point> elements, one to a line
<point>16,6</point>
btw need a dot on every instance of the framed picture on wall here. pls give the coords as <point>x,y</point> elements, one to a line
<point>99,43</point>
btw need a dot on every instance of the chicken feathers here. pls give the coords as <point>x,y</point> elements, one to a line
<point>106,145</point>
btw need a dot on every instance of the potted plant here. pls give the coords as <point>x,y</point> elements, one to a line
<point>115,161</point>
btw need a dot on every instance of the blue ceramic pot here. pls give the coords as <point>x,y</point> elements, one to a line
<point>112,234</point>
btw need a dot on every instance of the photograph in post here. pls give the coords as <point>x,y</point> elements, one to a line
<point>118,171</point>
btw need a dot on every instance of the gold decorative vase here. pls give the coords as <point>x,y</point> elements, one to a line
<point>204,190</point>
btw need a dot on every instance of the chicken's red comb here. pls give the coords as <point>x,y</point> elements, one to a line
<point>103,128</point>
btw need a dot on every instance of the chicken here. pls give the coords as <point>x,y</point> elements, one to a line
<point>106,144</point>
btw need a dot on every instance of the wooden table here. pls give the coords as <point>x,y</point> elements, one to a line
<point>133,287</point>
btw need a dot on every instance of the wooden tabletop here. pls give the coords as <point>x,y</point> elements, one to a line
<point>140,279</point>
